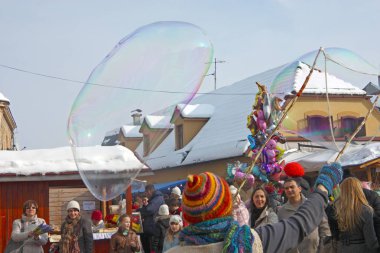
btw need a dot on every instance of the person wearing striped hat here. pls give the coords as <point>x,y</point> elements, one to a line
<point>207,206</point>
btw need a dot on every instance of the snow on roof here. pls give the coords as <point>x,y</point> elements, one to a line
<point>355,155</point>
<point>316,85</point>
<point>58,160</point>
<point>3,98</point>
<point>196,111</point>
<point>131,131</point>
<point>115,131</point>
<point>225,133</point>
<point>154,121</point>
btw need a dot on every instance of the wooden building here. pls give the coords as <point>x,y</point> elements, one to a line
<point>51,178</point>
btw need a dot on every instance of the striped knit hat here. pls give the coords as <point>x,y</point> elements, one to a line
<point>205,197</point>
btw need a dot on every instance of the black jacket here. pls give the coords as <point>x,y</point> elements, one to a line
<point>149,212</point>
<point>374,201</point>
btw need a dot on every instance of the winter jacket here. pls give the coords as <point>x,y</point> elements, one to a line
<point>30,245</point>
<point>162,225</point>
<point>361,239</point>
<point>150,211</point>
<point>311,243</point>
<point>267,216</point>
<point>85,238</point>
<point>374,201</point>
<point>124,243</point>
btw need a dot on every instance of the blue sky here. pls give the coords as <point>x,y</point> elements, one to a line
<point>69,38</point>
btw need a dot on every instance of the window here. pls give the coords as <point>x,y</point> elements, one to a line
<point>146,141</point>
<point>349,125</point>
<point>317,123</point>
<point>179,136</point>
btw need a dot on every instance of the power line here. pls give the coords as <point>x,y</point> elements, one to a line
<point>123,88</point>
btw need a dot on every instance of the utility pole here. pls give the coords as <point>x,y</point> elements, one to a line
<point>214,74</point>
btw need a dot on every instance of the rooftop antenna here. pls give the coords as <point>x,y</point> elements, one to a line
<point>214,74</point>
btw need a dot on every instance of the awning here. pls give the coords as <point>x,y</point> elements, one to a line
<point>353,156</point>
<point>162,187</point>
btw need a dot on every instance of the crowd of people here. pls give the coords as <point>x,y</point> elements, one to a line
<point>304,220</point>
<point>210,216</point>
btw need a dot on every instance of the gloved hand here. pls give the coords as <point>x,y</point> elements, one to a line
<point>329,176</point>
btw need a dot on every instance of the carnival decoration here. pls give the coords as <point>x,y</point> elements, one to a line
<point>238,173</point>
<point>261,122</point>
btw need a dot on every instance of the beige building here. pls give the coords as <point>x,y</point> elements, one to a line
<point>7,123</point>
<point>212,132</point>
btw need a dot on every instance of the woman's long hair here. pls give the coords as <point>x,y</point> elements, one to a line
<point>349,204</point>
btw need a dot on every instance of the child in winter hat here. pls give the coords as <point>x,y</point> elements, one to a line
<point>172,235</point>
<point>207,205</point>
<point>161,226</point>
<point>176,193</point>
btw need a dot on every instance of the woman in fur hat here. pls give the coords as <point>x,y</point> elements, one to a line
<point>76,231</point>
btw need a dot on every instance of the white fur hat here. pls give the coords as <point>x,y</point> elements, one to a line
<point>164,210</point>
<point>176,219</point>
<point>73,205</point>
<point>176,191</point>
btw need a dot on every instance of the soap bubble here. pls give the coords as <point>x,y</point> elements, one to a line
<point>328,120</point>
<point>152,70</point>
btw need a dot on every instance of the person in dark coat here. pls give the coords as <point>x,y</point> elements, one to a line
<point>162,225</point>
<point>374,201</point>
<point>149,213</point>
<point>76,231</point>
<point>352,219</point>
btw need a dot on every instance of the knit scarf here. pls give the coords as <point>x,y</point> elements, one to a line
<point>70,234</point>
<point>237,239</point>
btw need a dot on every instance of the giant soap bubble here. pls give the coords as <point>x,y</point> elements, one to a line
<point>152,70</point>
<point>339,73</point>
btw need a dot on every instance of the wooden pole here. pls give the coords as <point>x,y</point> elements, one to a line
<point>128,199</point>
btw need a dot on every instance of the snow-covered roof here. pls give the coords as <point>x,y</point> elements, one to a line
<point>354,155</point>
<point>291,82</point>
<point>3,98</point>
<point>196,111</point>
<point>158,122</point>
<point>60,160</point>
<point>131,131</point>
<point>113,132</point>
<point>225,133</point>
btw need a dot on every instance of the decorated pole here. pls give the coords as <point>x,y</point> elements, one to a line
<point>293,101</point>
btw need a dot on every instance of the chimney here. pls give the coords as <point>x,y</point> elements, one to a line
<point>136,117</point>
